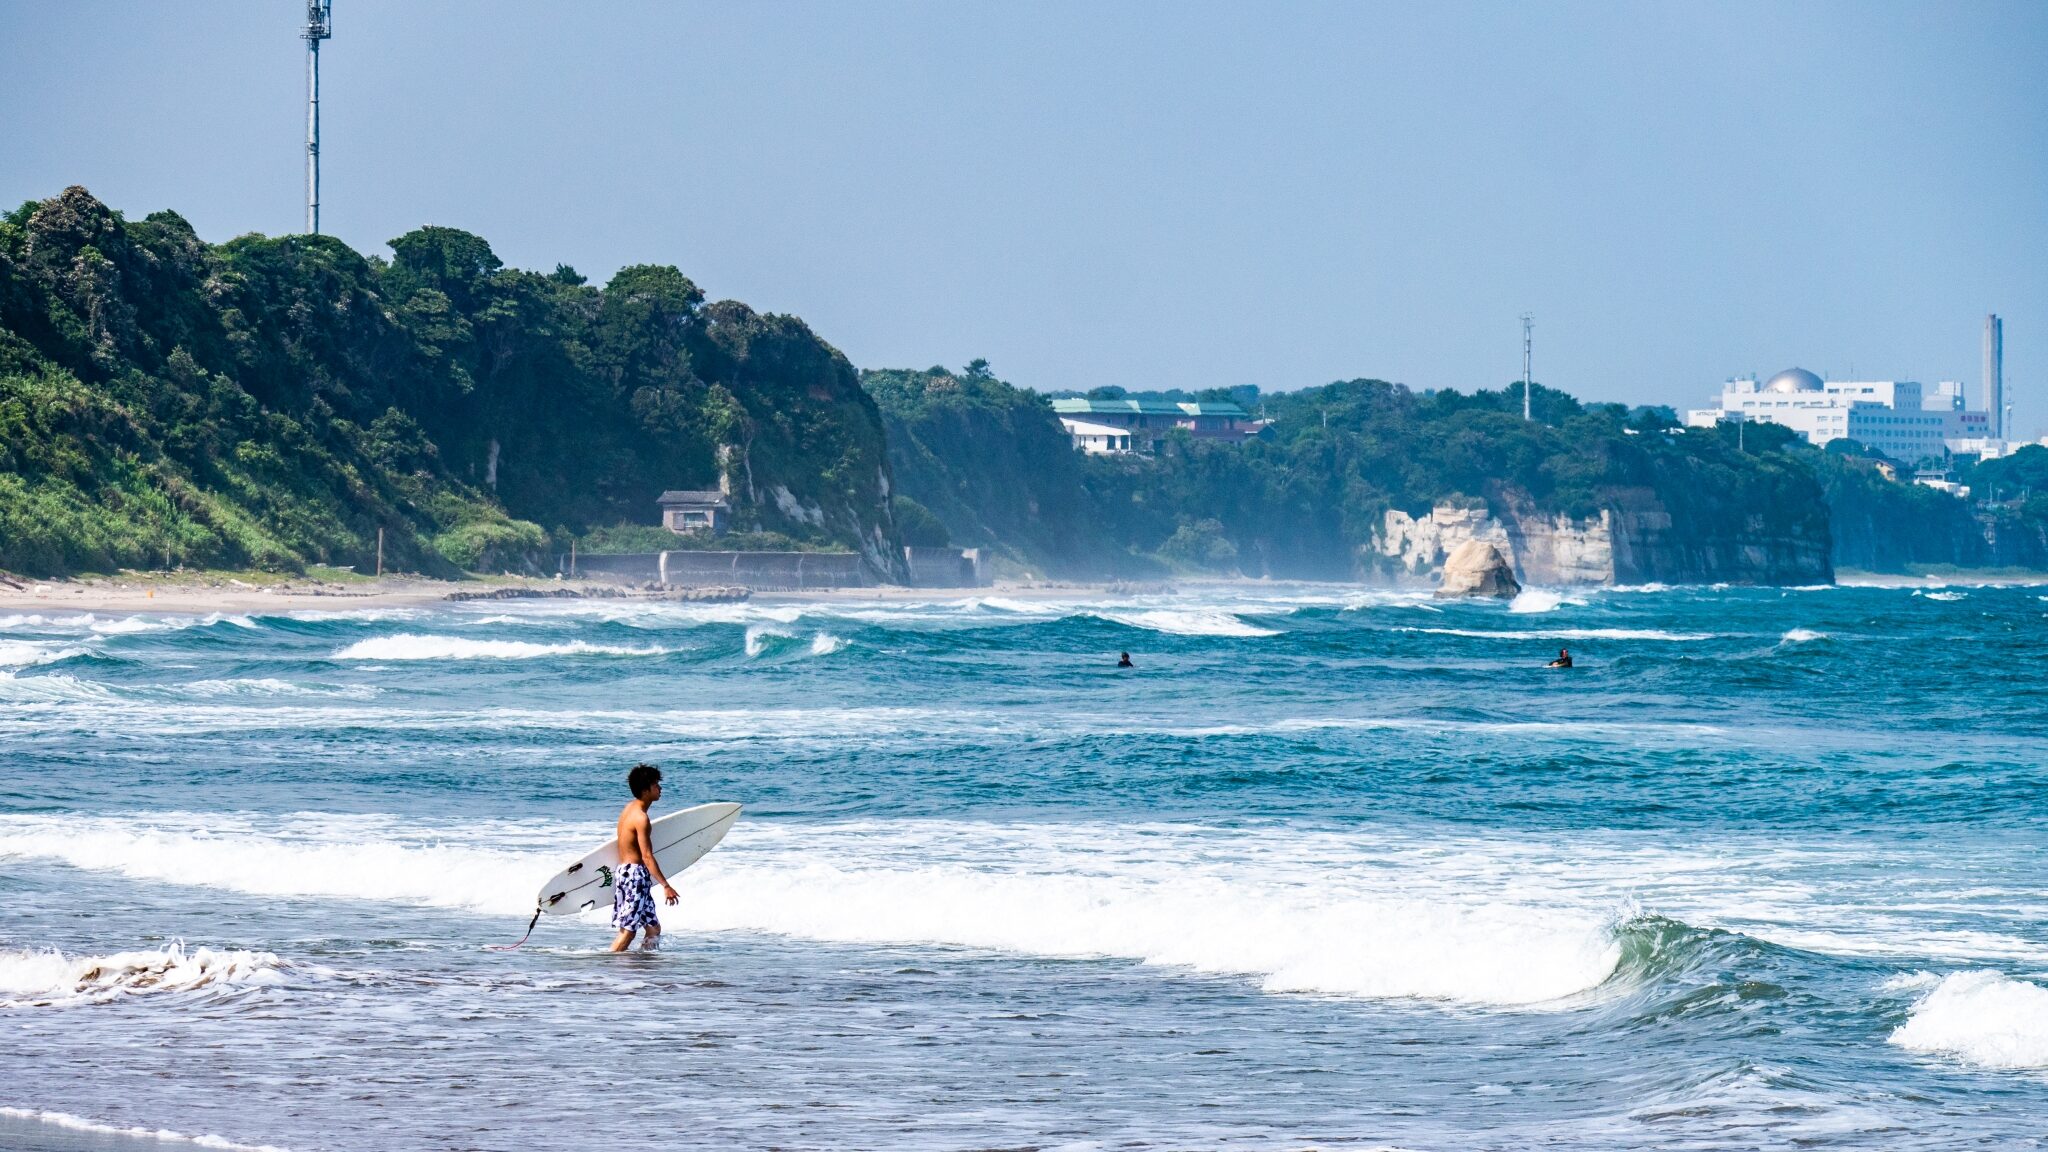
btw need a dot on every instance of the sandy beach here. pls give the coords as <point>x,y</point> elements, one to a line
<point>258,592</point>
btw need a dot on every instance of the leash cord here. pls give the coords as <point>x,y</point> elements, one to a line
<point>521,940</point>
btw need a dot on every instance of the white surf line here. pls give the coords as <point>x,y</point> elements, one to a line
<point>73,1123</point>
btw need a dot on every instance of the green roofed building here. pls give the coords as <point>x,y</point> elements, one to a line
<point>1149,421</point>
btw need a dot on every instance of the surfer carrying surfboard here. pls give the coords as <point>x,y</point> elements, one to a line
<point>632,897</point>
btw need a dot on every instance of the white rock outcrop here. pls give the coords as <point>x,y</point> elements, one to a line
<point>1547,550</point>
<point>1477,568</point>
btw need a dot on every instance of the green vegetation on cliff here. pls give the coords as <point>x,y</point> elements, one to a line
<point>273,402</point>
<point>987,465</point>
<point>1883,523</point>
<point>1308,500</point>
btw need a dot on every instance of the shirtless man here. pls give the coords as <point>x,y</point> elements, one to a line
<point>632,898</point>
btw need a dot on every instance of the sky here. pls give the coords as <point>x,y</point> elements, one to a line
<point>1144,194</point>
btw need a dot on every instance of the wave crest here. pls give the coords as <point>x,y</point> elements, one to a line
<point>1185,622</point>
<point>413,646</point>
<point>1982,1018</point>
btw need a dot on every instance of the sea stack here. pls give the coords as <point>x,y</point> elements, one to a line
<point>1477,568</point>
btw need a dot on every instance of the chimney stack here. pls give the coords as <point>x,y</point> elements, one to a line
<point>1994,374</point>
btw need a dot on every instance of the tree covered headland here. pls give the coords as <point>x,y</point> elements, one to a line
<point>274,401</point>
<point>993,464</point>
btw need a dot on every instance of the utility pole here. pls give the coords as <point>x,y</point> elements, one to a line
<point>380,553</point>
<point>319,26</point>
<point>1528,324</point>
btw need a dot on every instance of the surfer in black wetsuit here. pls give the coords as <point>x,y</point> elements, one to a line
<point>1564,659</point>
<point>1124,660</point>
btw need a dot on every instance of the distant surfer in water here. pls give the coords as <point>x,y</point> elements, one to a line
<point>639,871</point>
<point>1124,661</point>
<point>1564,659</point>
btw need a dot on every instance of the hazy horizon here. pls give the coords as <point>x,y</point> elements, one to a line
<point>1148,196</point>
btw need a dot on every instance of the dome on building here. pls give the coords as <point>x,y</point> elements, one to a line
<point>1794,380</point>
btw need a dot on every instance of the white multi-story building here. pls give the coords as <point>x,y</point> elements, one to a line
<point>1900,418</point>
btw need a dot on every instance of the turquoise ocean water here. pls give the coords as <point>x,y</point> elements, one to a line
<point>1329,868</point>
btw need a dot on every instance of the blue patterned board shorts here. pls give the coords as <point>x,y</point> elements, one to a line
<point>633,900</point>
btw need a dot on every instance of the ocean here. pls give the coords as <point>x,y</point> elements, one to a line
<point>1329,868</point>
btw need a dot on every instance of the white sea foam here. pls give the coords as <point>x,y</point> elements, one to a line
<point>305,857</point>
<point>825,644</point>
<point>1946,597</point>
<point>50,688</point>
<point>50,978</point>
<point>161,1135</point>
<point>1541,600</point>
<point>1802,636</point>
<point>1006,604</point>
<point>1286,938</point>
<point>1314,915</point>
<point>1185,622</point>
<point>125,625</point>
<point>1981,1018</point>
<point>272,687</point>
<point>1565,634</point>
<point>27,653</point>
<point>412,646</point>
<point>758,636</point>
<point>1370,912</point>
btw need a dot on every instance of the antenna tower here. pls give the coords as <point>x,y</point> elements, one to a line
<point>319,26</point>
<point>1528,324</point>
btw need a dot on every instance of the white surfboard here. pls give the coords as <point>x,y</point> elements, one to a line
<point>680,839</point>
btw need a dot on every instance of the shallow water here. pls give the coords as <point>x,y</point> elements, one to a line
<point>1329,868</point>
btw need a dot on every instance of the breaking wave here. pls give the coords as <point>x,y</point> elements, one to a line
<point>1981,1018</point>
<point>1531,600</point>
<point>28,653</point>
<point>1185,622</point>
<point>303,857</point>
<point>1565,634</point>
<point>1342,927</point>
<point>1802,636</point>
<point>412,646</point>
<point>273,687</point>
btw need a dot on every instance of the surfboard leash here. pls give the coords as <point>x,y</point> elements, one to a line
<point>521,940</point>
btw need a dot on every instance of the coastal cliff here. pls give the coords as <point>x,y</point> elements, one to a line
<point>274,402</point>
<point>1636,541</point>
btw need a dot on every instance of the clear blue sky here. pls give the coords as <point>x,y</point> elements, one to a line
<point>1144,194</point>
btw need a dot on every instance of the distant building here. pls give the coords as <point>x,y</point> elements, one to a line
<point>1900,418</point>
<point>686,511</point>
<point>1148,421</point>
<point>1941,480</point>
<point>1097,439</point>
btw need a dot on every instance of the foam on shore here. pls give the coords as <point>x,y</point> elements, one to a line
<point>69,1122</point>
<point>51,979</point>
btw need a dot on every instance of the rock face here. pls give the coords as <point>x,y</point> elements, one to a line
<point>1636,540</point>
<point>1545,550</point>
<point>1477,568</point>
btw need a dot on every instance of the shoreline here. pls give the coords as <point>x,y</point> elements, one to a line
<point>138,592</point>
